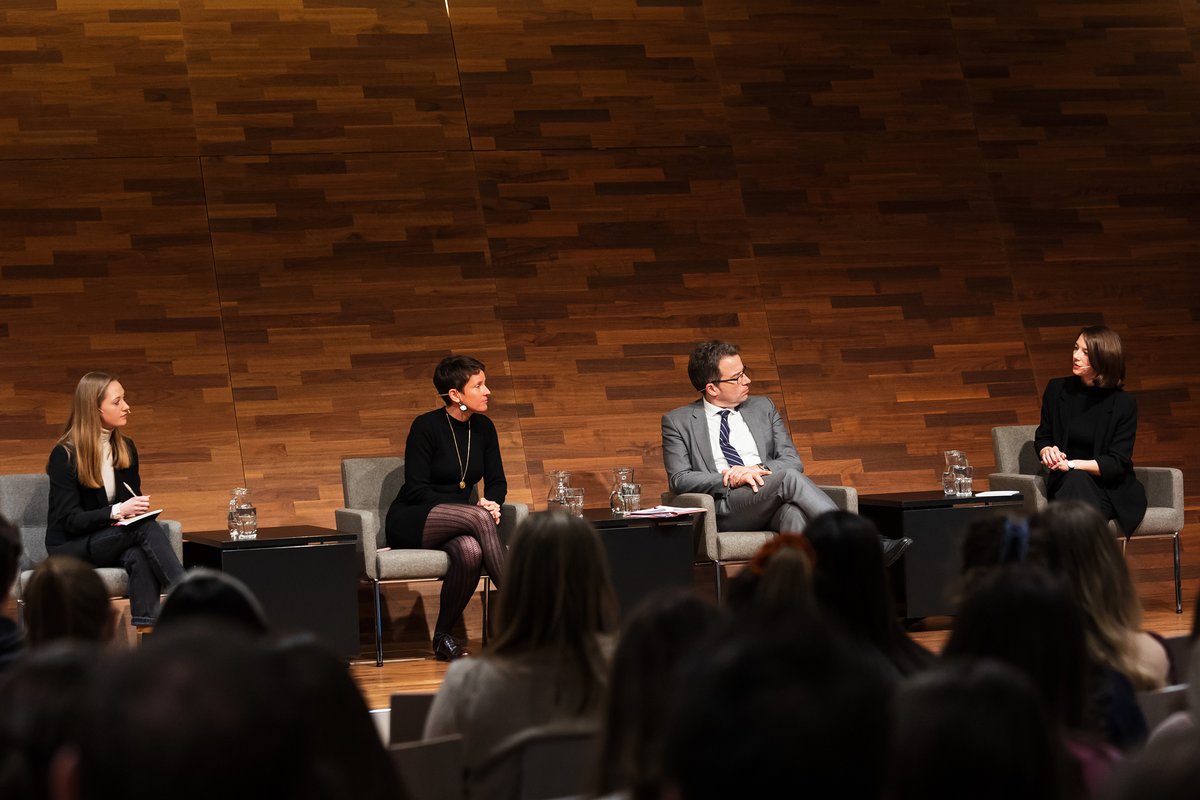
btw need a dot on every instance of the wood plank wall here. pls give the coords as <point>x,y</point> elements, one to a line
<point>272,217</point>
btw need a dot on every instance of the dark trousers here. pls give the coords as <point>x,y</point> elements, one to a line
<point>145,553</point>
<point>1079,485</point>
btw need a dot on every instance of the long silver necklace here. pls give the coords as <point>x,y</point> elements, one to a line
<point>462,469</point>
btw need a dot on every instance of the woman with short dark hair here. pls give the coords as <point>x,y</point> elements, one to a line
<point>449,450</point>
<point>1088,427</point>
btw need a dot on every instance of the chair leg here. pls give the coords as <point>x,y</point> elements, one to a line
<point>1178,582</point>
<point>717,572</point>
<point>487,585</point>
<point>378,627</point>
<point>21,613</point>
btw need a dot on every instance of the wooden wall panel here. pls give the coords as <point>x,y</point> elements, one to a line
<point>282,76</point>
<point>548,74</point>
<point>344,280</point>
<point>106,265</point>
<point>610,265</point>
<point>83,78</point>
<point>1088,122</point>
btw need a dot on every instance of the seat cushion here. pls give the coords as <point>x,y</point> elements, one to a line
<point>400,565</point>
<point>1158,521</point>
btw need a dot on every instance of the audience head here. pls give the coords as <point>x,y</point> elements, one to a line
<point>557,595</point>
<point>766,707</point>
<point>1074,541</point>
<point>66,599</point>
<point>777,584</point>
<point>975,729</point>
<point>211,594</point>
<point>195,713</point>
<point>851,586</point>
<point>704,365</point>
<point>1021,616</point>
<point>993,542</point>
<point>347,754</point>
<point>10,555</point>
<point>40,697</point>
<point>661,632</point>
<point>1106,354</point>
<point>453,372</point>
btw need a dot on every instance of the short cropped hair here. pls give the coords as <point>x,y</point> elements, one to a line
<point>453,372</point>
<point>1106,355</point>
<point>10,554</point>
<point>704,364</point>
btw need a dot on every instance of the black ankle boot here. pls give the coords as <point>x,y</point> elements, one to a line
<point>445,648</point>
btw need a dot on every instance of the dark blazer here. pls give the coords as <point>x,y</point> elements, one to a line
<point>687,448</point>
<point>76,510</point>
<point>1112,445</point>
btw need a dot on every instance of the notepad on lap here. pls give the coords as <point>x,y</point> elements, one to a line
<point>140,517</point>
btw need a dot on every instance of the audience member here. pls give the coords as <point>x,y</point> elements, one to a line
<point>65,599</point>
<point>40,697</point>
<point>1183,724</point>
<point>12,640</point>
<point>195,713</point>
<point>976,729</point>
<point>348,756</point>
<point>661,632</point>
<point>851,587</point>
<point>1170,772</point>
<point>548,661</point>
<point>211,594</point>
<point>777,583</point>
<point>768,709</point>
<point>1073,540</point>
<point>1021,616</point>
<point>992,542</point>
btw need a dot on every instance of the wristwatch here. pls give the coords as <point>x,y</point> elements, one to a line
<point>1070,465</point>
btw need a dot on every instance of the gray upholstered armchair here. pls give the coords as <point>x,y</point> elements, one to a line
<point>723,547</point>
<point>369,485</point>
<point>24,501</point>
<point>1019,468</point>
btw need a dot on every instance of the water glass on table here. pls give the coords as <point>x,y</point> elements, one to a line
<point>573,500</point>
<point>631,497</point>
<point>963,481</point>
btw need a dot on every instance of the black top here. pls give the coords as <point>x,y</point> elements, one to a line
<point>432,471</point>
<point>76,510</point>
<point>1091,423</point>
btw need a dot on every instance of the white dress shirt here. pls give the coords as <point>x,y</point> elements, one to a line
<point>739,436</point>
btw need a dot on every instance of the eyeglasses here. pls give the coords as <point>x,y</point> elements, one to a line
<point>745,373</point>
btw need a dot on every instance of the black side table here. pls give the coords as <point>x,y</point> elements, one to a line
<point>306,577</point>
<point>647,553</point>
<point>924,580</point>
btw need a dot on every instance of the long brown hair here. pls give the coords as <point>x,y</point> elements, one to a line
<point>557,596</point>
<point>1074,541</point>
<point>81,434</point>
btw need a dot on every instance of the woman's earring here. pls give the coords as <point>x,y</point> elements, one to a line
<point>462,406</point>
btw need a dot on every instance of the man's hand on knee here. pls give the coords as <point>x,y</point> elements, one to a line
<point>744,476</point>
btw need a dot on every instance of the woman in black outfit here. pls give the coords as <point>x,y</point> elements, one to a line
<point>448,451</point>
<point>1085,439</point>
<point>94,483</point>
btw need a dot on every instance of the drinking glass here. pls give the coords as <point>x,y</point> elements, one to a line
<point>573,500</point>
<point>631,497</point>
<point>954,458</point>
<point>963,481</point>
<point>621,476</point>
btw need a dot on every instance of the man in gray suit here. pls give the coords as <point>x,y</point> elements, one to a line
<point>736,448</point>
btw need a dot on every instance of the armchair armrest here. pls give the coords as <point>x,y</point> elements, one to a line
<point>1033,487</point>
<point>844,497</point>
<point>511,517</point>
<point>174,535</point>
<point>1164,489</point>
<point>705,501</point>
<point>365,525</point>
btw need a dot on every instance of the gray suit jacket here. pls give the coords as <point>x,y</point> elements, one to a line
<point>687,451</point>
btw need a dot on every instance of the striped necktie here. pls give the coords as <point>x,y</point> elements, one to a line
<point>727,450</point>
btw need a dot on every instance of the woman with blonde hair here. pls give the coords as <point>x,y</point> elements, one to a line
<point>548,662</point>
<point>1074,541</point>
<point>95,485</point>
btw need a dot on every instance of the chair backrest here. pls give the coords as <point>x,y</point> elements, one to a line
<point>1012,445</point>
<point>431,770</point>
<point>1161,703</point>
<point>24,501</point>
<point>1180,650</point>
<point>409,710</point>
<point>547,761</point>
<point>372,484</point>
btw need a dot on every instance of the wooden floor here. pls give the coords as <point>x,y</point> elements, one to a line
<point>1150,564</point>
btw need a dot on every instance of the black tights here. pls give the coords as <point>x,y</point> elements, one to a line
<point>468,535</point>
